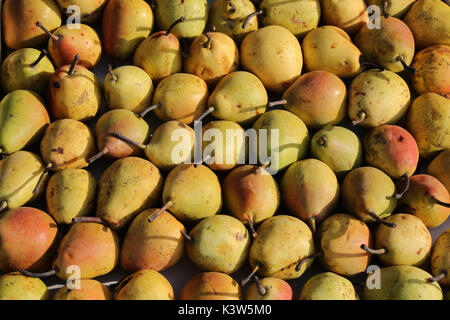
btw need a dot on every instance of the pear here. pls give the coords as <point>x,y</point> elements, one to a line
<point>90,10</point>
<point>98,258</point>
<point>128,87</point>
<point>211,286</point>
<point>228,16</point>
<point>394,8</point>
<point>409,243</point>
<point>144,285</point>
<point>126,23</point>
<point>181,97</point>
<point>283,248</point>
<point>328,286</point>
<point>298,16</point>
<point>66,42</point>
<point>125,177</point>
<point>310,190</point>
<point>403,283</point>
<point>433,70</point>
<point>212,56</point>
<point>156,246</point>
<point>71,193</point>
<point>428,199</point>
<point>19,29</point>
<point>339,148</point>
<point>440,259</point>
<point>329,48</point>
<point>224,141</point>
<point>239,97</point>
<point>378,97</point>
<point>74,93</point>
<point>19,179</point>
<point>428,120</point>
<point>369,194</point>
<point>90,290</point>
<point>390,46</point>
<point>349,15</point>
<point>251,194</point>
<point>429,21</point>
<point>192,192</point>
<point>319,98</point>
<point>160,55</point>
<point>269,289</point>
<point>292,143</point>
<point>195,12</point>
<point>27,238</point>
<point>23,120</point>
<point>14,286</point>
<point>340,237</point>
<point>67,144</point>
<point>26,69</point>
<point>274,55</point>
<point>440,168</point>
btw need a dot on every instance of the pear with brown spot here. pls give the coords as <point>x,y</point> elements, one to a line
<point>349,15</point>
<point>440,259</point>
<point>144,285</point>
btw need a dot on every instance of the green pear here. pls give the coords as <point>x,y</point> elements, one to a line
<point>144,285</point>
<point>90,10</point>
<point>219,243</point>
<point>440,260</point>
<point>71,193</point>
<point>14,286</point>
<point>378,97</point>
<point>349,15</point>
<point>329,48</point>
<point>394,8</point>
<point>287,139</point>
<point>339,148</point>
<point>328,286</point>
<point>211,286</point>
<point>402,283</point>
<point>239,97</point>
<point>428,121</point>
<point>192,193</point>
<point>27,69</point>
<point>269,289</point>
<point>274,55</point>
<point>440,168</point>
<point>127,187</point>
<point>23,120</point>
<point>90,290</point>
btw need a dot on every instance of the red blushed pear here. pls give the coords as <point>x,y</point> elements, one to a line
<point>211,286</point>
<point>428,199</point>
<point>392,149</point>
<point>27,236</point>
<point>269,289</point>
<point>440,168</point>
<point>67,41</point>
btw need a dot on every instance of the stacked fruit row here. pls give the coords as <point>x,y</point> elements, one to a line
<point>223,63</point>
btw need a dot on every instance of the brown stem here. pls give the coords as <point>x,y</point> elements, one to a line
<point>251,227</point>
<point>260,170</point>
<point>186,236</point>
<point>373,251</point>
<point>111,73</point>
<point>405,66</point>
<point>205,114</point>
<point>251,15</point>
<point>250,276</point>
<point>400,195</point>
<point>38,275</point>
<point>312,224</point>
<point>439,277</point>
<point>364,62</point>
<point>44,52</point>
<point>439,202</point>
<point>179,20</point>
<point>207,44</point>
<point>160,211</point>
<point>53,36</point>
<point>277,103</point>
<point>385,5</point>
<point>362,116</point>
<point>41,178</point>
<point>149,109</point>
<point>381,220</point>
<point>117,135</point>
<point>305,260</point>
<point>88,220</point>
<point>3,205</point>
<point>74,63</point>
<point>99,155</point>
<point>262,291</point>
<point>232,8</point>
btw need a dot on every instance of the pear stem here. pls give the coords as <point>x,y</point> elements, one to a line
<point>277,103</point>
<point>232,8</point>
<point>53,36</point>
<point>312,224</point>
<point>439,277</point>
<point>186,236</point>
<point>127,140</point>
<point>373,251</point>
<point>405,66</point>
<point>160,211</point>
<point>439,202</point>
<point>362,116</point>
<point>149,109</point>
<point>365,63</point>
<point>261,289</point>
<point>400,195</point>
<point>381,220</point>
<point>179,20</point>
<point>3,205</point>
<point>44,52</point>
<point>207,44</point>
<point>305,260</point>
<point>99,155</point>
<point>88,220</point>
<point>74,64</point>
<point>38,275</point>
<point>111,73</point>
<point>260,170</point>
<point>205,114</point>
<point>251,227</point>
<point>41,178</point>
<point>251,15</point>
<point>196,165</point>
<point>250,276</point>
<point>385,5</point>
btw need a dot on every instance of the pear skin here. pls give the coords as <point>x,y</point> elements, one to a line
<point>349,15</point>
<point>328,286</point>
<point>440,258</point>
<point>211,286</point>
<point>275,289</point>
<point>395,8</point>
<point>90,10</point>
<point>440,168</point>
<point>144,285</point>
<point>90,290</point>
<point>14,286</point>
